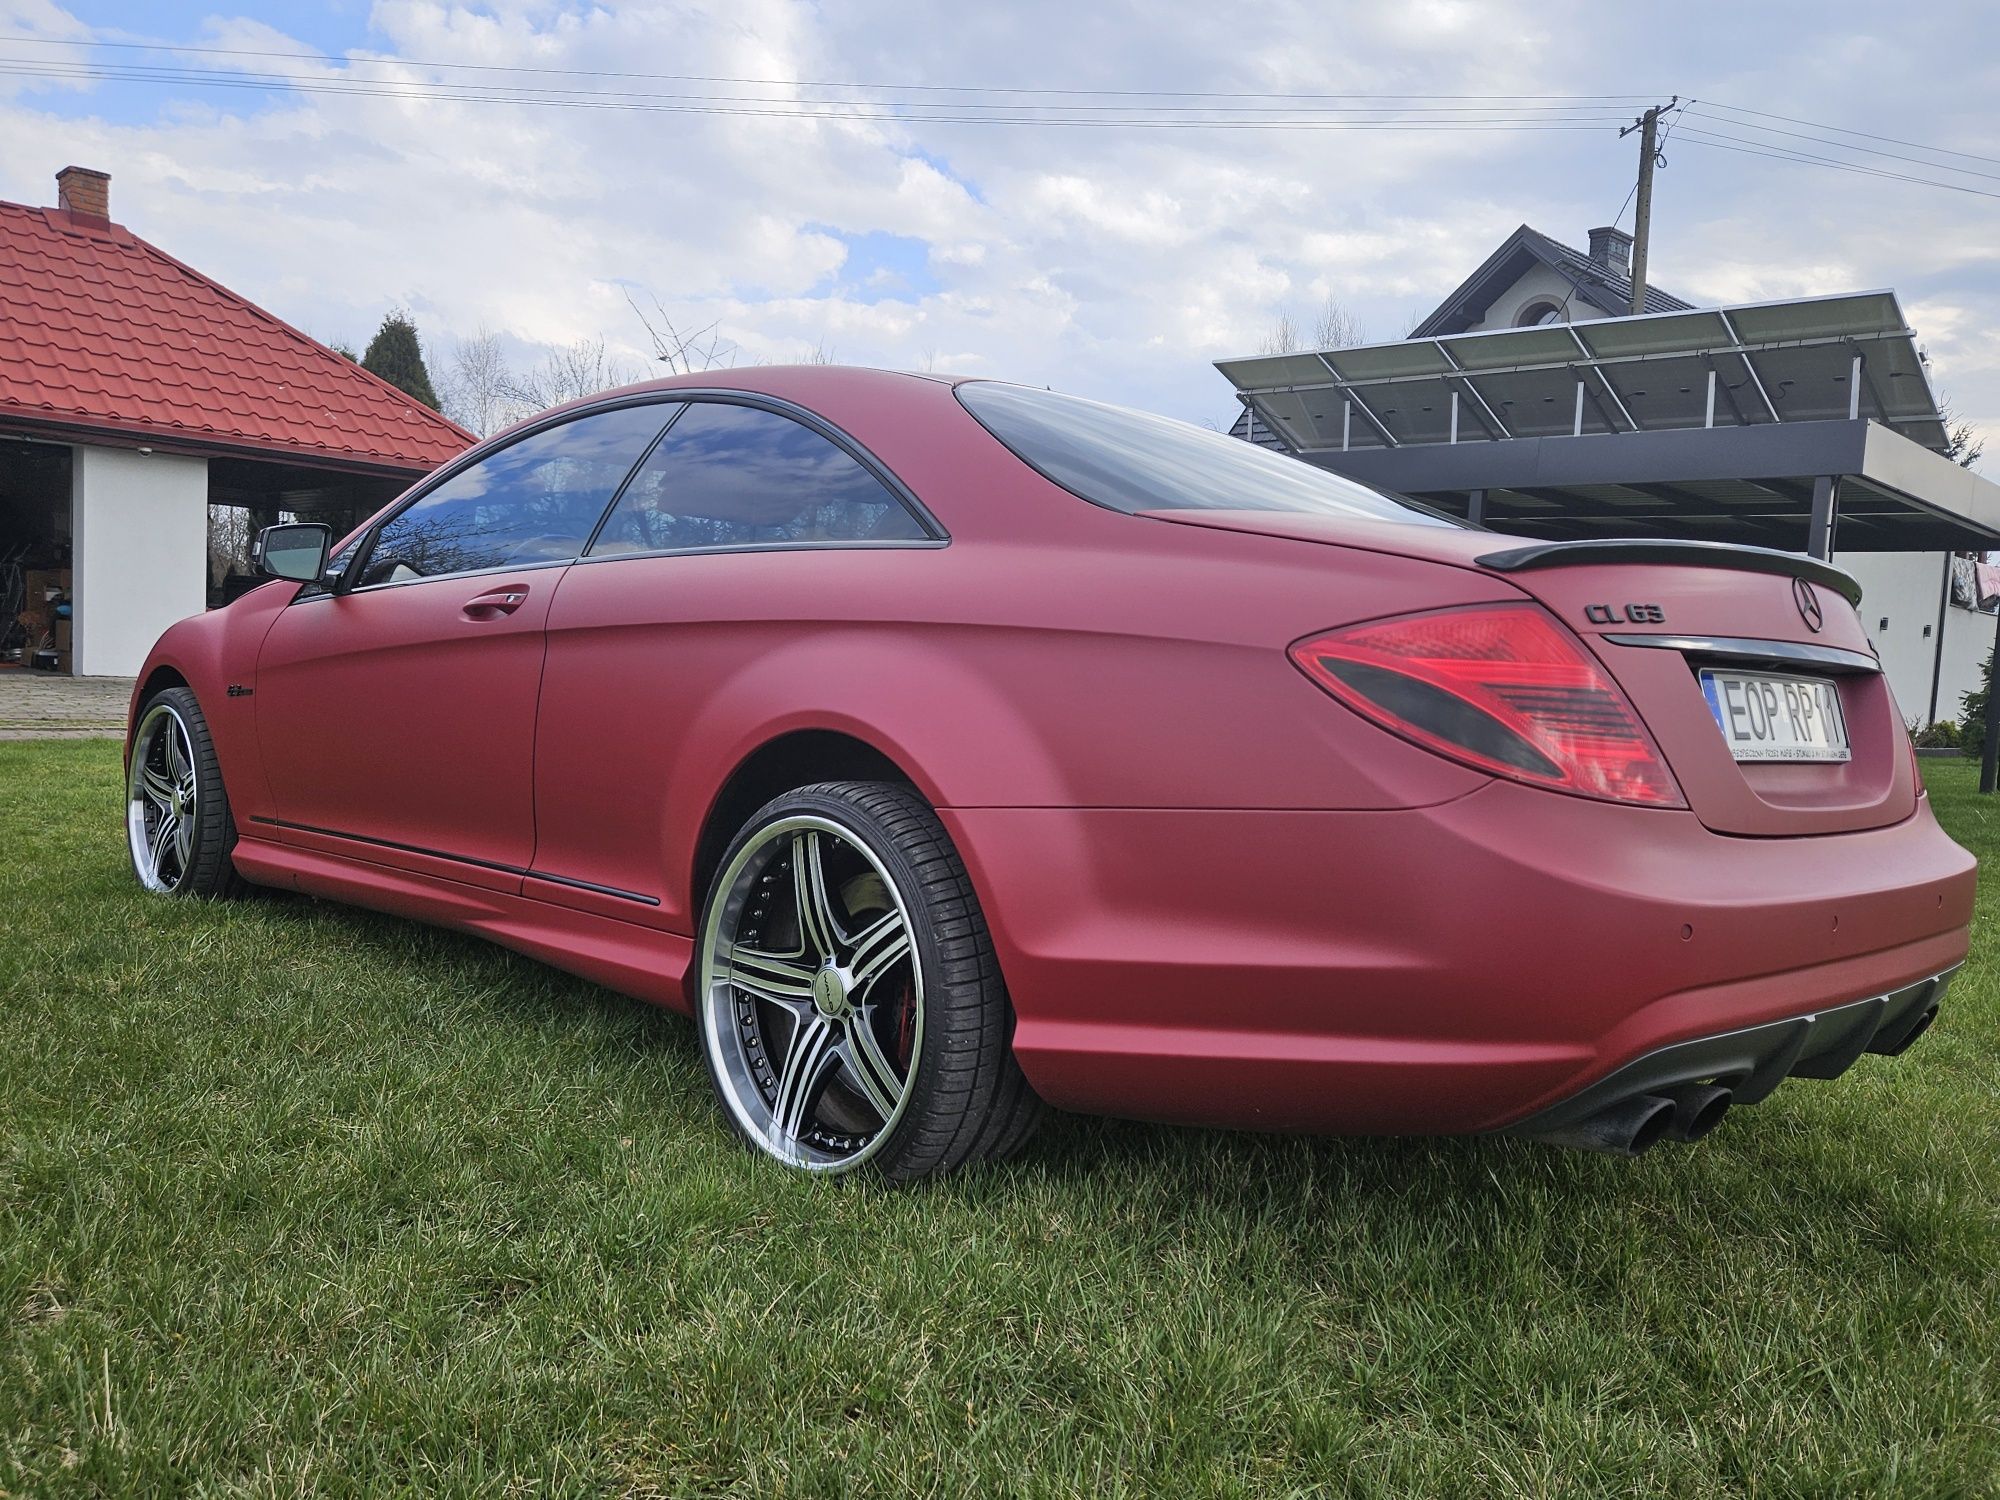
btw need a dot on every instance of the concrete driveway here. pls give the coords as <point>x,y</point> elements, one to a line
<point>47,706</point>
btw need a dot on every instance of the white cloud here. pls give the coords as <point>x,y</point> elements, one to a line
<point>1113,262</point>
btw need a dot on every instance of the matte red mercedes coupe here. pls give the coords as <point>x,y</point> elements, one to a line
<point>949,748</point>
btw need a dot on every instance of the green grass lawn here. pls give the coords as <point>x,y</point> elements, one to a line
<point>300,1200</point>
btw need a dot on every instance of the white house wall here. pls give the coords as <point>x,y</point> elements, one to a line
<point>1902,589</point>
<point>140,562</point>
<point>1968,639</point>
<point>1539,283</point>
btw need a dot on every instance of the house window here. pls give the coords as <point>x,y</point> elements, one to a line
<point>1538,312</point>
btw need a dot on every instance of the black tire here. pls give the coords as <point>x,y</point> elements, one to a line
<point>199,864</point>
<point>964,1098</point>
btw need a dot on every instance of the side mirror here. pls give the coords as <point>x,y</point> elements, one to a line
<point>296,551</point>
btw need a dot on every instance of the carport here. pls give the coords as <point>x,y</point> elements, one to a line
<point>150,420</point>
<point>1802,425</point>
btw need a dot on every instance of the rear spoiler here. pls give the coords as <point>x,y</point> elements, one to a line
<point>1662,550</point>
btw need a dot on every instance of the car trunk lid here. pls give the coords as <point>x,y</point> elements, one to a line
<point>1660,614</point>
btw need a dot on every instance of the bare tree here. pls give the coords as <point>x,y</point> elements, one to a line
<point>683,353</point>
<point>1335,327</point>
<point>821,353</point>
<point>229,534</point>
<point>477,383</point>
<point>583,369</point>
<point>1283,337</point>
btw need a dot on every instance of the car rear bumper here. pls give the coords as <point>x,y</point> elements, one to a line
<point>1456,968</point>
<point>1753,1061</point>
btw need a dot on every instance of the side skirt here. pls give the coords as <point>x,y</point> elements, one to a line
<point>643,962</point>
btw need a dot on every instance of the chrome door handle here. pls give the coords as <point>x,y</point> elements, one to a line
<point>497,602</point>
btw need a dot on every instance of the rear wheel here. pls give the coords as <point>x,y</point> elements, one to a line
<point>177,821</point>
<point>851,1009</point>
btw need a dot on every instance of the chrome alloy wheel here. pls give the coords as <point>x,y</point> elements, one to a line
<point>812,995</point>
<point>161,804</point>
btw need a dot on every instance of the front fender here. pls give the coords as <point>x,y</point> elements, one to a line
<point>210,653</point>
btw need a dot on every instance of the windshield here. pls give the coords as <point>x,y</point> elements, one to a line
<point>1132,460</point>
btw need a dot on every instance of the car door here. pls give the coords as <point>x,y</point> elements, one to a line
<point>743,528</point>
<point>397,716</point>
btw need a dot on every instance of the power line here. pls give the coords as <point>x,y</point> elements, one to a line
<point>155,74</point>
<point>1863,134</point>
<point>969,104</point>
<point>1821,140</point>
<point>947,88</point>
<point>1780,152</point>
<point>1466,106</point>
<point>1784,153</point>
<point>859,111</point>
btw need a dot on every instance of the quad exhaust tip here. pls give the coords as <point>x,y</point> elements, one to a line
<point>1698,1109</point>
<point>1632,1127</point>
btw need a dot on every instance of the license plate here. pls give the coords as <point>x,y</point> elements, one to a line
<point>1765,716</point>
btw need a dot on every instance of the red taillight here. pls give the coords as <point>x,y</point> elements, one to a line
<point>1502,687</point>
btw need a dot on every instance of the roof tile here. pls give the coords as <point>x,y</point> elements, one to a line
<point>100,328</point>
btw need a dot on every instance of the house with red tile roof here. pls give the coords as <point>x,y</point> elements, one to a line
<point>144,407</point>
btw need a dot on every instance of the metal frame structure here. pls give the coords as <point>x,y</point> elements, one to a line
<point>1776,423</point>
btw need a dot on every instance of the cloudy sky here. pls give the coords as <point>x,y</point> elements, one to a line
<point>1112,259</point>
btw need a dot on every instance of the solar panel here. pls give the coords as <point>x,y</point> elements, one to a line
<point>1741,365</point>
<point>1388,361</point>
<point>1550,344</point>
<point>1661,333</point>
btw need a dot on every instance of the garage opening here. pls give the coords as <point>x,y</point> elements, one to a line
<point>36,624</point>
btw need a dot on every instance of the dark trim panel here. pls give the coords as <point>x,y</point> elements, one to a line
<point>1739,648</point>
<point>592,886</point>
<point>1755,1060</point>
<point>618,493</point>
<point>404,583</point>
<point>358,838</point>
<point>909,544</point>
<point>460,859</point>
<point>1663,551</point>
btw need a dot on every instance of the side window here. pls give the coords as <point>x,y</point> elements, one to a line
<point>533,501</point>
<point>738,476</point>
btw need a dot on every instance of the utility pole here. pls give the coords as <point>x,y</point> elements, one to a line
<point>1989,757</point>
<point>1648,126</point>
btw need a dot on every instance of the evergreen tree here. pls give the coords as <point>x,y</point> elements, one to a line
<point>397,355</point>
<point>1972,733</point>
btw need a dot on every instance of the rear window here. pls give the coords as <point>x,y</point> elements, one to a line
<point>1132,460</point>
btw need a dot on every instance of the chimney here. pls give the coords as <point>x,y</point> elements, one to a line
<point>81,190</point>
<point>1611,248</point>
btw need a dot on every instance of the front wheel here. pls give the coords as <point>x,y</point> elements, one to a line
<point>850,1006</point>
<point>177,822</point>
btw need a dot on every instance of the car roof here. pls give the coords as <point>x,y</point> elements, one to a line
<point>804,385</point>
